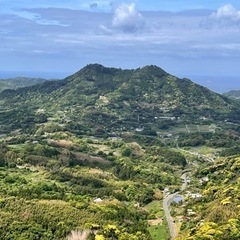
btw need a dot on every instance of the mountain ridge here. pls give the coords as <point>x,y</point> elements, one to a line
<point>235,94</point>
<point>112,96</point>
<point>19,82</point>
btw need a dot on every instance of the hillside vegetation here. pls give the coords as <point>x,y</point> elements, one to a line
<point>19,82</point>
<point>96,153</point>
<point>233,94</point>
<point>98,100</point>
<point>218,211</point>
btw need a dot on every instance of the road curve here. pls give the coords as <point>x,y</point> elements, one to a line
<point>166,203</point>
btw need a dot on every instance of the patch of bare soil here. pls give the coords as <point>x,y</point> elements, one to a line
<point>61,143</point>
<point>155,222</point>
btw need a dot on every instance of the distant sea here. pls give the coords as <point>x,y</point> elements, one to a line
<point>219,84</point>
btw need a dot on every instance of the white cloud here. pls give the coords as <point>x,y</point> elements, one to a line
<point>127,18</point>
<point>227,12</point>
<point>225,16</point>
<point>124,38</point>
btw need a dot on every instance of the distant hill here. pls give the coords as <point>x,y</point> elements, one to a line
<point>233,94</point>
<point>19,82</point>
<point>111,99</point>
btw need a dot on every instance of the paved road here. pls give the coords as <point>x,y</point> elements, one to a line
<point>166,203</point>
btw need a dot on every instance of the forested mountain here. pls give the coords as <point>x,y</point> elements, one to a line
<point>93,156</point>
<point>19,82</point>
<point>112,99</point>
<point>233,94</point>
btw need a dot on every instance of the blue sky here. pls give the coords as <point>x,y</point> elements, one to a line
<point>186,38</point>
<point>143,5</point>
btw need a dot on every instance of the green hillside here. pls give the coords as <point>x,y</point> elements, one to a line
<point>217,214</point>
<point>93,157</point>
<point>233,94</point>
<point>19,82</point>
<point>111,99</point>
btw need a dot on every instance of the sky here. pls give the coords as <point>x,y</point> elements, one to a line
<point>198,39</point>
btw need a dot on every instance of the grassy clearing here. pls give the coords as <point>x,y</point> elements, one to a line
<point>190,128</point>
<point>159,232</point>
<point>179,129</point>
<point>205,150</point>
<point>155,207</point>
<point>187,128</point>
<point>204,128</point>
<point>18,147</point>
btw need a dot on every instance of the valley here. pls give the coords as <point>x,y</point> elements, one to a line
<point>103,152</point>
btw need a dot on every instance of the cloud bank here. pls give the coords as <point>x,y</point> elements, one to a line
<point>127,18</point>
<point>55,39</point>
<point>225,16</point>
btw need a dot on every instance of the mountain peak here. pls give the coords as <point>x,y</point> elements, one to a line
<point>150,70</point>
<point>153,68</point>
<point>99,68</point>
<point>95,68</point>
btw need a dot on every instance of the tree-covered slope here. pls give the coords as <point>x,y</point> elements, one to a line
<point>217,213</point>
<point>114,98</point>
<point>233,94</point>
<point>19,82</point>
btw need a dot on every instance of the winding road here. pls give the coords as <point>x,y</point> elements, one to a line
<point>168,198</point>
<point>166,203</point>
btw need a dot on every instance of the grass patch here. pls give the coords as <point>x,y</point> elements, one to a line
<point>159,232</point>
<point>155,207</point>
<point>205,150</point>
<point>191,127</point>
<point>18,147</point>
